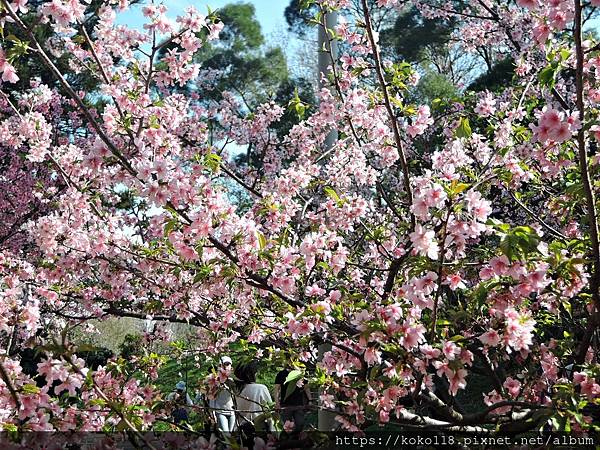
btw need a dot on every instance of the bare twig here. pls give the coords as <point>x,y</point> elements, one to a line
<point>537,218</point>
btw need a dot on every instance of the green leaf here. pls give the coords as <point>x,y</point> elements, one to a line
<point>547,76</point>
<point>203,273</point>
<point>567,306</point>
<point>9,427</point>
<point>305,4</point>
<point>565,54</point>
<point>97,402</point>
<point>122,426</point>
<point>170,225</point>
<point>262,240</point>
<point>330,192</point>
<point>153,121</point>
<point>500,226</point>
<point>464,129</point>
<point>291,381</point>
<point>456,188</point>
<point>294,376</point>
<point>323,265</point>
<point>519,241</point>
<point>297,105</point>
<point>30,389</point>
<point>212,161</point>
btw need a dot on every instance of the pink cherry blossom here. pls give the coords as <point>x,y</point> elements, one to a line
<point>420,240</point>
<point>424,242</point>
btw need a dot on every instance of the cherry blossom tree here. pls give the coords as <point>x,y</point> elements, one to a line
<point>477,257</point>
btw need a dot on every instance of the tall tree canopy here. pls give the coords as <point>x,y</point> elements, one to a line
<point>402,280</point>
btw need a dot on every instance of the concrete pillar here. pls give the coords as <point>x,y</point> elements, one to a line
<point>326,419</point>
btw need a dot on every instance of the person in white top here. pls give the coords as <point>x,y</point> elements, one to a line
<point>253,398</point>
<point>222,405</point>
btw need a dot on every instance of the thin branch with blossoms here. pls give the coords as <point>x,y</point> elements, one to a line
<point>321,248</point>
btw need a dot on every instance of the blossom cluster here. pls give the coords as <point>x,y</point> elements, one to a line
<point>414,263</point>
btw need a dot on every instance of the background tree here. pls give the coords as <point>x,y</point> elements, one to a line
<point>425,271</point>
<point>254,71</point>
<point>247,66</point>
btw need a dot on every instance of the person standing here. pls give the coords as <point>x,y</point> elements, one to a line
<point>180,398</point>
<point>291,400</point>
<point>252,399</point>
<point>222,405</point>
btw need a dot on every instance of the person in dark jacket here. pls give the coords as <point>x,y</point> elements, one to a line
<point>291,400</point>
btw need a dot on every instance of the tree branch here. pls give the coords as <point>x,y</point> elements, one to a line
<point>587,185</point>
<point>388,106</point>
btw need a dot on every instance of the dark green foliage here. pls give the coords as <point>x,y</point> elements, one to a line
<point>495,79</point>
<point>249,69</point>
<point>241,31</point>
<point>31,66</point>
<point>287,90</point>
<point>254,77</point>
<point>412,35</point>
<point>176,369</point>
<point>95,357</point>
<point>425,42</point>
<point>298,16</point>
<point>432,86</point>
<point>253,72</point>
<point>131,346</point>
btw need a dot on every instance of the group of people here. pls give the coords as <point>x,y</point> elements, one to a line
<point>242,407</point>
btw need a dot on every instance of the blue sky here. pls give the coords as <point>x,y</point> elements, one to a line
<point>269,12</point>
